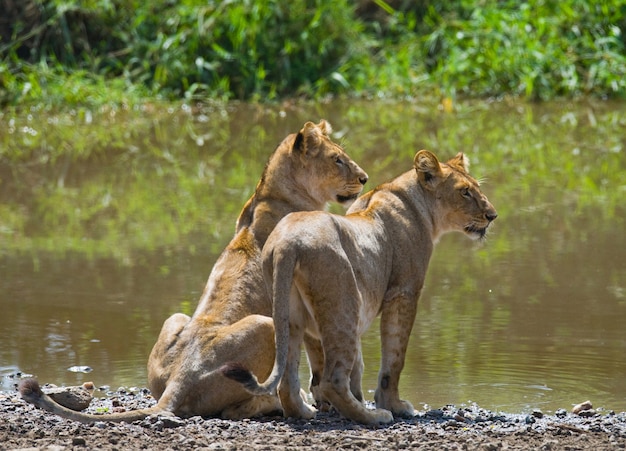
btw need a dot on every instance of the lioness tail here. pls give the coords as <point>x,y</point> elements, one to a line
<point>239,373</point>
<point>31,392</point>
<point>278,267</point>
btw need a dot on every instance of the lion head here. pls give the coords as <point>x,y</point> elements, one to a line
<point>323,168</point>
<point>306,171</point>
<point>461,204</point>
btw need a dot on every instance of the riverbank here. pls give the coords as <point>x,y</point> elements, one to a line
<point>22,426</point>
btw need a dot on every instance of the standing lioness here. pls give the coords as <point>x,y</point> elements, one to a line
<point>330,276</point>
<point>232,320</point>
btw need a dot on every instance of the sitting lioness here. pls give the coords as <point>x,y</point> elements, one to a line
<point>330,276</point>
<point>233,318</point>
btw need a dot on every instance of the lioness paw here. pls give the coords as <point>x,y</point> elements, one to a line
<point>381,416</point>
<point>403,409</point>
<point>399,408</point>
<point>309,412</point>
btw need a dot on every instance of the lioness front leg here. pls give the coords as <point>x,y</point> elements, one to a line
<point>395,329</point>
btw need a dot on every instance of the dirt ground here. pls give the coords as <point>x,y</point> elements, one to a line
<point>22,426</point>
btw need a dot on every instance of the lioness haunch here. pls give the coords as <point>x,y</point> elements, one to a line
<point>305,171</point>
<point>330,276</point>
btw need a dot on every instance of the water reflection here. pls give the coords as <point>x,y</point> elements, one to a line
<point>100,244</point>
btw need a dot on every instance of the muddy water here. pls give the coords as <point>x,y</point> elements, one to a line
<point>110,221</point>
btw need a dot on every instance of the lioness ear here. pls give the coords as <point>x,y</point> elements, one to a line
<point>308,139</point>
<point>325,127</point>
<point>460,161</point>
<point>428,169</point>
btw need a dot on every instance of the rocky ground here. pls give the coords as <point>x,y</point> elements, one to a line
<point>22,426</point>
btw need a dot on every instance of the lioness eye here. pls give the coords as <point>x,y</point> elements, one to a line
<point>339,161</point>
<point>466,192</point>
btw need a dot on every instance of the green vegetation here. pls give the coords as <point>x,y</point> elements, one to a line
<point>124,51</point>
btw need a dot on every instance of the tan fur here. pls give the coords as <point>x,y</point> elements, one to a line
<point>233,318</point>
<point>332,275</point>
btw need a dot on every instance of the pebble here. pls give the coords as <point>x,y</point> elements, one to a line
<point>582,407</point>
<point>74,398</point>
<point>537,413</point>
<point>434,413</point>
<point>560,413</point>
<point>172,422</point>
<point>587,413</point>
<point>79,441</point>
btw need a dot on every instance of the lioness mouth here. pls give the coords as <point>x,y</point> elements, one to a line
<point>342,199</point>
<point>473,230</point>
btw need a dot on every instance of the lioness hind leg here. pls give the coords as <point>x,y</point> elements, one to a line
<point>335,387</point>
<point>289,387</point>
<point>315,355</point>
<point>342,360</point>
<point>357,375</point>
<point>164,352</point>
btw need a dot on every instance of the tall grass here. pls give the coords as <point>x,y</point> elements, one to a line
<point>113,51</point>
<point>539,49</point>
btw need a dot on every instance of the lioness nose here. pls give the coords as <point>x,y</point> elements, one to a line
<point>363,179</point>
<point>491,215</point>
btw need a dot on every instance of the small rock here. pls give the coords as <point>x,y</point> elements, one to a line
<point>37,433</point>
<point>75,398</point>
<point>79,441</point>
<point>434,413</point>
<point>587,413</point>
<point>452,425</point>
<point>549,445</point>
<point>529,419</point>
<point>582,407</point>
<point>537,413</point>
<point>561,413</point>
<point>172,422</point>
